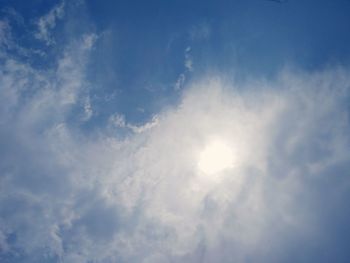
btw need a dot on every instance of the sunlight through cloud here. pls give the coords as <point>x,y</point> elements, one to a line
<point>215,157</point>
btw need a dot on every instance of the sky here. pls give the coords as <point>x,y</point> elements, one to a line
<point>174,131</point>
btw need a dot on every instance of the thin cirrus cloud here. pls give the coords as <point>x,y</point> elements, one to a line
<point>70,196</point>
<point>47,23</point>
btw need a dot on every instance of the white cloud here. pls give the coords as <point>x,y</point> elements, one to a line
<point>48,22</point>
<point>88,112</point>
<point>141,198</point>
<point>188,59</point>
<point>180,82</point>
<point>144,127</point>
<point>188,63</point>
<point>118,121</point>
<point>4,32</point>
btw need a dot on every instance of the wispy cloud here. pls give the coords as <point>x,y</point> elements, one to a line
<point>188,64</point>
<point>118,121</point>
<point>142,198</point>
<point>188,59</point>
<point>180,82</point>
<point>48,22</point>
<point>69,196</point>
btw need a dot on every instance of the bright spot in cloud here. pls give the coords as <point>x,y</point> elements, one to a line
<point>215,157</point>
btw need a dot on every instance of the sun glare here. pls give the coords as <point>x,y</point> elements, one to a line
<point>215,157</point>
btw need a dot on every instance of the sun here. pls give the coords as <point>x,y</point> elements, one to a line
<point>216,157</point>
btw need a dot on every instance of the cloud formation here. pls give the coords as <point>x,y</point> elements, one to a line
<point>69,196</point>
<point>47,23</point>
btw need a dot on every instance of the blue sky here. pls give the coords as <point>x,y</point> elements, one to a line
<point>110,109</point>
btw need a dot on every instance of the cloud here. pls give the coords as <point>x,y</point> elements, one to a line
<point>4,32</point>
<point>180,82</point>
<point>71,196</point>
<point>48,22</point>
<point>188,63</point>
<point>88,112</point>
<point>188,60</point>
<point>118,121</point>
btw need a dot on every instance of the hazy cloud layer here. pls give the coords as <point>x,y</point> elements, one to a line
<point>129,193</point>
